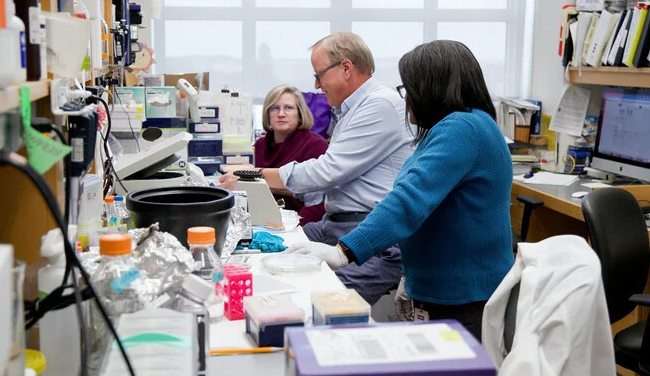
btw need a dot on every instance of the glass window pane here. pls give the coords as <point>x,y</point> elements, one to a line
<point>388,41</point>
<point>282,60</point>
<point>292,3</point>
<point>473,4</point>
<point>388,4</point>
<point>203,3</point>
<point>487,41</point>
<point>200,46</point>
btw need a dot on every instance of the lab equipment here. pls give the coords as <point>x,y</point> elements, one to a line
<point>433,348</point>
<point>192,98</point>
<point>192,299</point>
<point>57,326</point>
<point>118,285</point>
<point>291,263</point>
<point>237,284</point>
<point>624,133</point>
<point>122,213</point>
<point>207,263</point>
<point>159,342</point>
<point>268,316</point>
<point>262,207</point>
<point>178,208</point>
<point>339,307</point>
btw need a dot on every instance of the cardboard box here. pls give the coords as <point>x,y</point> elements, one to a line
<point>160,102</point>
<point>201,81</point>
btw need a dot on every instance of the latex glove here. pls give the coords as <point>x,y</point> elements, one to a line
<point>332,255</point>
<point>228,181</point>
<point>403,304</point>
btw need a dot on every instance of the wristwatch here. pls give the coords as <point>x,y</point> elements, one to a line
<point>260,172</point>
<point>347,252</point>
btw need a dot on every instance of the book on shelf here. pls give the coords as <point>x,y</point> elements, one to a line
<point>604,29</point>
<point>636,27</point>
<point>643,47</point>
<point>616,55</point>
<point>589,37</point>
<point>612,38</point>
<point>579,30</point>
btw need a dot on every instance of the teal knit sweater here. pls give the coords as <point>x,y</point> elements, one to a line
<point>449,210</point>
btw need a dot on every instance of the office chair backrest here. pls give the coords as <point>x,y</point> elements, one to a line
<point>619,236</point>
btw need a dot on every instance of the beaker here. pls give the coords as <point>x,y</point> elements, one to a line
<point>16,364</point>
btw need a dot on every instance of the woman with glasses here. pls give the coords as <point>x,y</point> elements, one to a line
<point>449,209</point>
<point>287,120</point>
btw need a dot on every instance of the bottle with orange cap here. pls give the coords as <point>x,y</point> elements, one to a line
<point>108,213</point>
<point>207,263</point>
<point>119,286</point>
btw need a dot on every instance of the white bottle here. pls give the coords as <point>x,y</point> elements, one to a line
<point>41,20</point>
<point>10,61</point>
<point>15,23</point>
<point>58,330</point>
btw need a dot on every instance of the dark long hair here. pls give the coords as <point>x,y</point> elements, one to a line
<point>442,77</point>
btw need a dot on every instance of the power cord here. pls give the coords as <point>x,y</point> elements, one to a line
<point>109,168</point>
<point>20,163</point>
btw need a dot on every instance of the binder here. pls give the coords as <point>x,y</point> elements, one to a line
<point>612,38</point>
<point>590,36</point>
<point>581,28</point>
<point>616,55</point>
<point>604,29</point>
<point>640,58</point>
<point>638,20</point>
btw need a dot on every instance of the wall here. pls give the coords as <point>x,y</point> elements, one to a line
<point>548,73</point>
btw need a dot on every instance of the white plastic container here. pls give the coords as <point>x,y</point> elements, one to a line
<point>41,19</point>
<point>61,326</point>
<point>9,63</point>
<point>18,26</point>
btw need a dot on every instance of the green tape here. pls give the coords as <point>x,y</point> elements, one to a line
<point>43,152</point>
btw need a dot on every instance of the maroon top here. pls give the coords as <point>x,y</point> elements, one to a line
<point>299,146</point>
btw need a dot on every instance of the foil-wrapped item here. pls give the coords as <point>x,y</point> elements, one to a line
<point>161,258</point>
<point>240,220</point>
<point>90,260</point>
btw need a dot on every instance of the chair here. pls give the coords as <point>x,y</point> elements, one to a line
<point>530,204</point>
<point>619,237</point>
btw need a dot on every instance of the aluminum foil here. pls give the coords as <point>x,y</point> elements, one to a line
<point>239,221</point>
<point>90,260</point>
<point>161,258</point>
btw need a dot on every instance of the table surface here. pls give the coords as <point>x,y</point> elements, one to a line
<point>231,334</point>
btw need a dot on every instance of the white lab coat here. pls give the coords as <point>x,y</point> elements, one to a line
<point>562,325</point>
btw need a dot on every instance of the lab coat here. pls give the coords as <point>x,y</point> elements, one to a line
<point>562,324</point>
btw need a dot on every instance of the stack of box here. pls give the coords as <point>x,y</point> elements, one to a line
<point>577,158</point>
<point>128,109</point>
<point>206,148</point>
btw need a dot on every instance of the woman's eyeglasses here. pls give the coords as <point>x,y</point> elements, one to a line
<point>318,74</point>
<point>275,110</point>
<point>401,90</point>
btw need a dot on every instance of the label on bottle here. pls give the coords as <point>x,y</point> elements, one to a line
<point>34,25</point>
<point>123,281</point>
<point>217,276</point>
<point>23,51</point>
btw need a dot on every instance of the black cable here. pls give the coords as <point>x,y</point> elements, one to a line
<point>67,167</point>
<point>108,166</point>
<point>83,334</point>
<point>15,160</point>
<point>108,128</point>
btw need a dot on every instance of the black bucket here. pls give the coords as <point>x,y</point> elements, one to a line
<point>178,208</point>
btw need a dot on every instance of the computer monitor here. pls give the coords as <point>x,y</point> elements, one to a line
<point>623,141</point>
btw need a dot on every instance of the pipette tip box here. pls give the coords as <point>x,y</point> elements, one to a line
<point>268,316</point>
<point>339,307</point>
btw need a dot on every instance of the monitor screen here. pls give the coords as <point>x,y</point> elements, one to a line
<point>623,142</point>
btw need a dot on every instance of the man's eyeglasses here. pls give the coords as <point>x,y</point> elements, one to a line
<point>275,110</point>
<point>322,72</point>
<point>401,90</point>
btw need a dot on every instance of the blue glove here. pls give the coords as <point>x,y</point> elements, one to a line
<point>267,243</point>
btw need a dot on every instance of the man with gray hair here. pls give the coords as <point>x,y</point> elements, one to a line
<point>369,144</point>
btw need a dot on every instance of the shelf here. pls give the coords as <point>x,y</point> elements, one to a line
<point>9,96</point>
<point>611,76</point>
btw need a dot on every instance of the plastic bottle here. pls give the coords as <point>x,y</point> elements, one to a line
<point>120,288</point>
<point>192,298</point>
<point>122,213</point>
<point>60,326</point>
<point>207,263</point>
<point>28,11</point>
<point>10,62</point>
<point>109,219</point>
<point>16,24</point>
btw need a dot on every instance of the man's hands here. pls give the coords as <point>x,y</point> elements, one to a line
<point>332,255</point>
<point>403,304</point>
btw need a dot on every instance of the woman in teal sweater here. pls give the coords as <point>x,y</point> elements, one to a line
<point>449,209</point>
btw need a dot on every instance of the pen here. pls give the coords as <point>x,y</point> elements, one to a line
<point>255,350</point>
